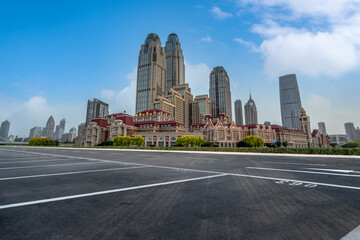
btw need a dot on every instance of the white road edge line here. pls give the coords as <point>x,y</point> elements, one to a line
<point>334,170</point>
<point>106,192</point>
<point>204,152</point>
<point>214,172</point>
<point>301,171</point>
<point>353,235</point>
<point>70,173</point>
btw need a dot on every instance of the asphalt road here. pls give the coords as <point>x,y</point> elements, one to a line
<point>50,193</point>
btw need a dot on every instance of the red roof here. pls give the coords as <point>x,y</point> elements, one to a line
<point>101,122</point>
<point>126,118</point>
<point>152,111</point>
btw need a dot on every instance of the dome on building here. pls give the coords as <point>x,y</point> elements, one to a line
<point>152,37</point>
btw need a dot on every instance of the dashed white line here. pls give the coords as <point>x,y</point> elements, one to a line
<point>51,165</point>
<point>106,192</point>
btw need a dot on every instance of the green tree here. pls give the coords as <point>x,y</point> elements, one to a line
<point>278,143</point>
<point>285,144</point>
<point>42,142</point>
<point>333,145</point>
<point>351,145</point>
<point>253,141</point>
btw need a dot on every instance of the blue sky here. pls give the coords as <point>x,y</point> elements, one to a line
<point>55,56</point>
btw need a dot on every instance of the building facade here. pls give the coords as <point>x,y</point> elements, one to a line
<point>175,67</point>
<point>35,132</point>
<point>350,131</point>
<point>290,101</point>
<point>322,128</point>
<point>95,109</point>
<point>185,92</point>
<point>251,115</point>
<point>4,129</point>
<point>201,107</point>
<point>50,125</point>
<point>339,139</point>
<point>151,73</point>
<point>219,92</point>
<point>238,113</point>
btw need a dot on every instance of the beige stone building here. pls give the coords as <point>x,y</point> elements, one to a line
<point>200,108</point>
<point>185,91</point>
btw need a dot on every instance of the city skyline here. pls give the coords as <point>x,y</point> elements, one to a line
<point>34,89</point>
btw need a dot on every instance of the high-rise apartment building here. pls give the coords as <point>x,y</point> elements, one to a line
<point>4,129</point>
<point>185,91</point>
<point>95,109</point>
<point>238,113</point>
<point>151,74</point>
<point>201,108</point>
<point>56,133</point>
<point>219,92</point>
<point>322,128</point>
<point>175,67</point>
<point>35,132</point>
<point>290,101</point>
<point>62,126</point>
<point>251,116</point>
<point>81,128</point>
<point>350,131</point>
<point>50,125</point>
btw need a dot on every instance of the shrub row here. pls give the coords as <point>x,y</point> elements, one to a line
<point>43,142</point>
<point>190,141</point>
<point>128,141</point>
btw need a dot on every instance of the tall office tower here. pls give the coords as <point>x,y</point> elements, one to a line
<point>186,94</point>
<point>81,128</point>
<point>201,108</point>
<point>350,131</point>
<point>56,133</point>
<point>322,128</point>
<point>151,74</point>
<point>50,125</point>
<point>238,113</point>
<point>219,92</point>
<point>35,132</point>
<point>4,129</point>
<point>250,110</point>
<point>175,67</point>
<point>290,101</point>
<point>62,127</point>
<point>95,109</point>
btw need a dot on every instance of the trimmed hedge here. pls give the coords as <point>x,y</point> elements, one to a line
<point>43,142</point>
<point>128,141</point>
<point>190,141</point>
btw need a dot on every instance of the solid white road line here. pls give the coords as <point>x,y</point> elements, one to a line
<point>300,171</point>
<point>334,170</point>
<point>49,160</point>
<point>214,172</point>
<point>353,235</point>
<point>70,173</point>
<point>106,192</point>
<point>52,165</point>
<point>295,163</point>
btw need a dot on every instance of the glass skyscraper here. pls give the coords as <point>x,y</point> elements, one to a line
<point>151,75</point>
<point>290,101</point>
<point>175,67</point>
<point>219,92</point>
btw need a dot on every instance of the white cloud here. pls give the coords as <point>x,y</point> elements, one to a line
<point>330,47</point>
<point>219,14</point>
<point>206,39</point>
<point>198,77</point>
<point>248,44</point>
<point>124,99</point>
<point>24,115</point>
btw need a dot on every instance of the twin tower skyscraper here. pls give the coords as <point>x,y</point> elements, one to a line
<point>159,69</point>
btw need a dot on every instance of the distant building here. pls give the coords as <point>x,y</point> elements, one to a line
<point>350,131</point>
<point>267,123</point>
<point>70,136</point>
<point>95,109</point>
<point>81,128</point>
<point>4,129</point>
<point>251,116</point>
<point>357,134</point>
<point>151,73</point>
<point>35,132</point>
<point>339,139</point>
<point>185,92</point>
<point>238,113</point>
<point>290,101</point>
<point>175,67</point>
<point>201,108</point>
<point>322,128</point>
<point>62,127</point>
<point>50,125</point>
<point>219,92</point>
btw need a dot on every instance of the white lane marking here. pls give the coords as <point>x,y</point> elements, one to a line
<point>70,173</point>
<point>214,172</point>
<point>353,235</point>
<point>20,158</point>
<point>198,152</point>
<point>49,160</point>
<point>295,163</point>
<point>51,165</point>
<point>107,192</point>
<point>334,170</point>
<point>300,171</point>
